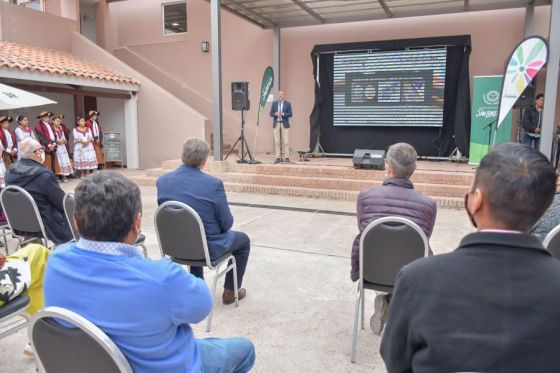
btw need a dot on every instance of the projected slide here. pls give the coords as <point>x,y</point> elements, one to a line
<point>389,88</point>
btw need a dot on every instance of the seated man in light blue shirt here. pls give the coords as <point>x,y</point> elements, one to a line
<point>145,306</point>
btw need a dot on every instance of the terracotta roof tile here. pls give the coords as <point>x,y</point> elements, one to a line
<point>29,58</point>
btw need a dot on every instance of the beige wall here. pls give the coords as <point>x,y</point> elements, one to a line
<point>247,50</point>
<point>163,120</point>
<point>494,35</point>
<point>177,63</point>
<point>28,26</point>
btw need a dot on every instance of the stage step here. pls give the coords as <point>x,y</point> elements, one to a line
<point>351,195</point>
<point>333,172</point>
<point>448,195</point>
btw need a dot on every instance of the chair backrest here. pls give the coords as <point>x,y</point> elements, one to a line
<point>69,208</point>
<point>180,233</point>
<point>83,347</point>
<point>552,242</point>
<point>22,212</point>
<point>386,245</point>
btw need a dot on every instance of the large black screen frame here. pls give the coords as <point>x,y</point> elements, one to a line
<point>428,141</point>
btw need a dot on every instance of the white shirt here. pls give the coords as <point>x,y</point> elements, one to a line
<point>9,140</point>
<point>95,128</point>
<point>51,133</point>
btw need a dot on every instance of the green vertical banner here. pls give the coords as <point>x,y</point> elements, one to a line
<point>486,101</point>
<point>266,87</point>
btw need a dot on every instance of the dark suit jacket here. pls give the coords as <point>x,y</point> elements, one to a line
<point>530,120</point>
<point>286,109</point>
<point>41,183</point>
<point>207,196</point>
<point>492,305</point>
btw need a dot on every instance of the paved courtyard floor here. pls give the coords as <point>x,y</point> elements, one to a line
<point>300,301</point>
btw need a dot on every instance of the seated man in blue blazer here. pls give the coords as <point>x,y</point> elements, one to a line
<point>281,111</point>
<point>206,195</point>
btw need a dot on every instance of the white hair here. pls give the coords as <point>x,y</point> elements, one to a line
<point>27,147</point>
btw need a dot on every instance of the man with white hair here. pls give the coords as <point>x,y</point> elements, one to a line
<point>30,174</point>
<point>396,197</point>
<point>206,195</point>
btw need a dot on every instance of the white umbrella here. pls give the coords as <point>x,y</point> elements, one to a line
<point>13,98</point>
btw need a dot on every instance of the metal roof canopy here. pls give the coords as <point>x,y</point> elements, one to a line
<point>278,14</point>
<point>269,14</point>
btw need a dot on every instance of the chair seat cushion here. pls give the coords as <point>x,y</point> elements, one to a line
<point>14,305</point>
<point>201,263</point>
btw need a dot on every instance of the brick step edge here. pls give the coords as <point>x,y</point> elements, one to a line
<point>451,178</point>
<point>443,190</point>
<point>442,202</point>
<point>427,181</point>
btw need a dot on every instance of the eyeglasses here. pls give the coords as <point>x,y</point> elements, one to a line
<point>38,150</point>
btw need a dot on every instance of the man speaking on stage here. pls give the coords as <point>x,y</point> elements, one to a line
<point>281,111</point>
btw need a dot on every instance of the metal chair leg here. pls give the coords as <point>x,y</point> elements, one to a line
<point>363,307</point>
<point>214,283</point>
<point>235,286</point>
<point>355,333</point>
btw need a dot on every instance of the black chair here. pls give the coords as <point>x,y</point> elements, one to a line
<point>552,242</point>
<point>10,311</point>
<point>23,215</point>
<point>181,237</point>
<point>69,208</point>
<point>82,347</point>
<point>386,245</point>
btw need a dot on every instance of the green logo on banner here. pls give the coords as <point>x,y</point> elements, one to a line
<point>266,87</point>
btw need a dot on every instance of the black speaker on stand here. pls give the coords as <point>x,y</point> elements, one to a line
<point>240,102</point>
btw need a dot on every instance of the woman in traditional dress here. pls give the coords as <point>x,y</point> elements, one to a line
<point>23,130</point>
<point>8,141</point>
<point>84,153</point>
<point>97,131</point>
<point>64,166</point>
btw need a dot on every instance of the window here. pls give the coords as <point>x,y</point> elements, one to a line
<point>174,18</point>
<point>32,4</point>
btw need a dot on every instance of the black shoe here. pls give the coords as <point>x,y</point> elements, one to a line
<point>287,160</point>
<point>278,160</point>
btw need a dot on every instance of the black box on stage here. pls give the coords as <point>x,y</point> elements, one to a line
<point>367,158</point>
<point>240,96</point>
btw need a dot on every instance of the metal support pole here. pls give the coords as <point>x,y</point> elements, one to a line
<point>529,20</point>
<point>551,85</point>
<point>275,67</point>
<point>216,42</point>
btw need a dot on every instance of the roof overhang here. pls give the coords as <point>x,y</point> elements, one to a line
<point>270,14</point>
<point>66,80</point>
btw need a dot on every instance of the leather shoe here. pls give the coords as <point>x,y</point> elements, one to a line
<point>228,297</point>
<point>277,160</point>
<point>287,160</point>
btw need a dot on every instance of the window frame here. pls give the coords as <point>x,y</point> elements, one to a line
<point>163,5</point>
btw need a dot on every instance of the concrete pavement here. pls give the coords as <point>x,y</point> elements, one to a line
<point>300,303</point>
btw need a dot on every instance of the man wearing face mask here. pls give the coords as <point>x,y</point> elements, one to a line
<point>396,197</point>
<point>30,174</point>
<point>492,304</point>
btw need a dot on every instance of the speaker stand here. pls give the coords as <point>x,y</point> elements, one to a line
<point>245,152</point>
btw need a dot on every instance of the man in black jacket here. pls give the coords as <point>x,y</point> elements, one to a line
<point>492,305</point>
<point>40,182</point>
<point>532,123</point>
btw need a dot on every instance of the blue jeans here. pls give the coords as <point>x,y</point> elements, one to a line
<point>240,247</point>
<point>529,141</point>
<point>231,355</point>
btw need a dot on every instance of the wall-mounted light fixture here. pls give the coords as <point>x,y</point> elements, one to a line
<point>205,46</point>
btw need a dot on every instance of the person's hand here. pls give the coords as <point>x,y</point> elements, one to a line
<point>14,152</point>
<point>2,260</point>
<point>52,146</point>
<point>537,131</point>
<point>277,114</point>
